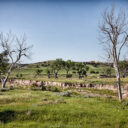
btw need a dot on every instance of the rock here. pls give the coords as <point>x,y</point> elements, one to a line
<point>66,94</point>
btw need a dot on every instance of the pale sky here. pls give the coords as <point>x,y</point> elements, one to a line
<point>65,29</point>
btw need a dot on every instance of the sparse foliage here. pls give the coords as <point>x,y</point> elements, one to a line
<point>15,48</point>
<point>114,36</point>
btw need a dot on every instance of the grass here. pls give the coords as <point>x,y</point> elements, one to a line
<point>28,72</point>
<point>25,108</point>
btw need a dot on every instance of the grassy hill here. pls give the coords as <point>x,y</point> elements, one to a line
<point>28,71</point>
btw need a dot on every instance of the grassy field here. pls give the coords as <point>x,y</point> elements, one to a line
<point>31,107</point>
<point>29,71</point>
<point>34,108</point>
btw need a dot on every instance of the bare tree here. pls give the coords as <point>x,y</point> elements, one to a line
<point>16,49</point>
<point>114,37</point>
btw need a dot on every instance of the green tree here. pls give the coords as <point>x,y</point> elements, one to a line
<point>48,72</point>
<point>108,71</point>
<point>81,69</point>
<point>68,65</point>
<point>56,66</point>
<point>123,67</point>
<point>38,72</point>
<point>3,63</point>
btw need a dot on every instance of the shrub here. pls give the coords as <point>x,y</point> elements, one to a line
<point>17,75</point>
<point>97,72</point>
<point>37,66</point>
<point>43,88</point>
<point>52,88</point>
<point>68,75</point>
<point>4,89</point>
<point>92,72</point>
<point>74,72</point>
<point>21,75</point>
<point>34,88</point>
<point>11,88</point>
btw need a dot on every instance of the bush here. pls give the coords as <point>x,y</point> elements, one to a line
<point>68,75</point>
<point>4,89</point>
<point>92,72</point>
<point>97,72</point>
<point>21,75</point>
<point>43,88</point>
<point>34,88</point>
<point>74,72</point>
<point>37,66</point>
<point>11,88</point>
<point>17,75</point>
<point>52,88</point>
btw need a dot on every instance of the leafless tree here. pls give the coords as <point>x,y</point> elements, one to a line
<point>114,36</point>
<point>16,49</point>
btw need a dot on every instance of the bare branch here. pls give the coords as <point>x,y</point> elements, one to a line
<point>114,31</point>
<point>16,49</point>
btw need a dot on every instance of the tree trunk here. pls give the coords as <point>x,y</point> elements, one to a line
<point>118,80</point>
<point>116,67</point>
<point>79,76</point>
<point>56,75</point>
<point>4,81</point>
<point>3,84</point>
<point>49,75</point>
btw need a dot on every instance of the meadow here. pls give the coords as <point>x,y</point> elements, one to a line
<point>32,107</point>
<point>54,107</point>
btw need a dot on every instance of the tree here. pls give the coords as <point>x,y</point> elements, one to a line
<point>3,62</point>
<point>48,72</point>
<point>108,71</point>
<point>123,67</point>
<point>15,48</point>
<point>83,72</point>
<point>56,66</point>
<point>78,67</point>
<point>114,37</point>
<point>81,69</point>
<point>68,65</point>
<point>38,72</point>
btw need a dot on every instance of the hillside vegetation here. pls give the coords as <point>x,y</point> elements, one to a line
<point>36,109</point>
<point>97,73</point>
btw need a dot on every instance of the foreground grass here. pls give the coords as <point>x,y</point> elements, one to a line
<point>24,108</point>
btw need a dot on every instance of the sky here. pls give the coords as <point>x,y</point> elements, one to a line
<point>65,29</point>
